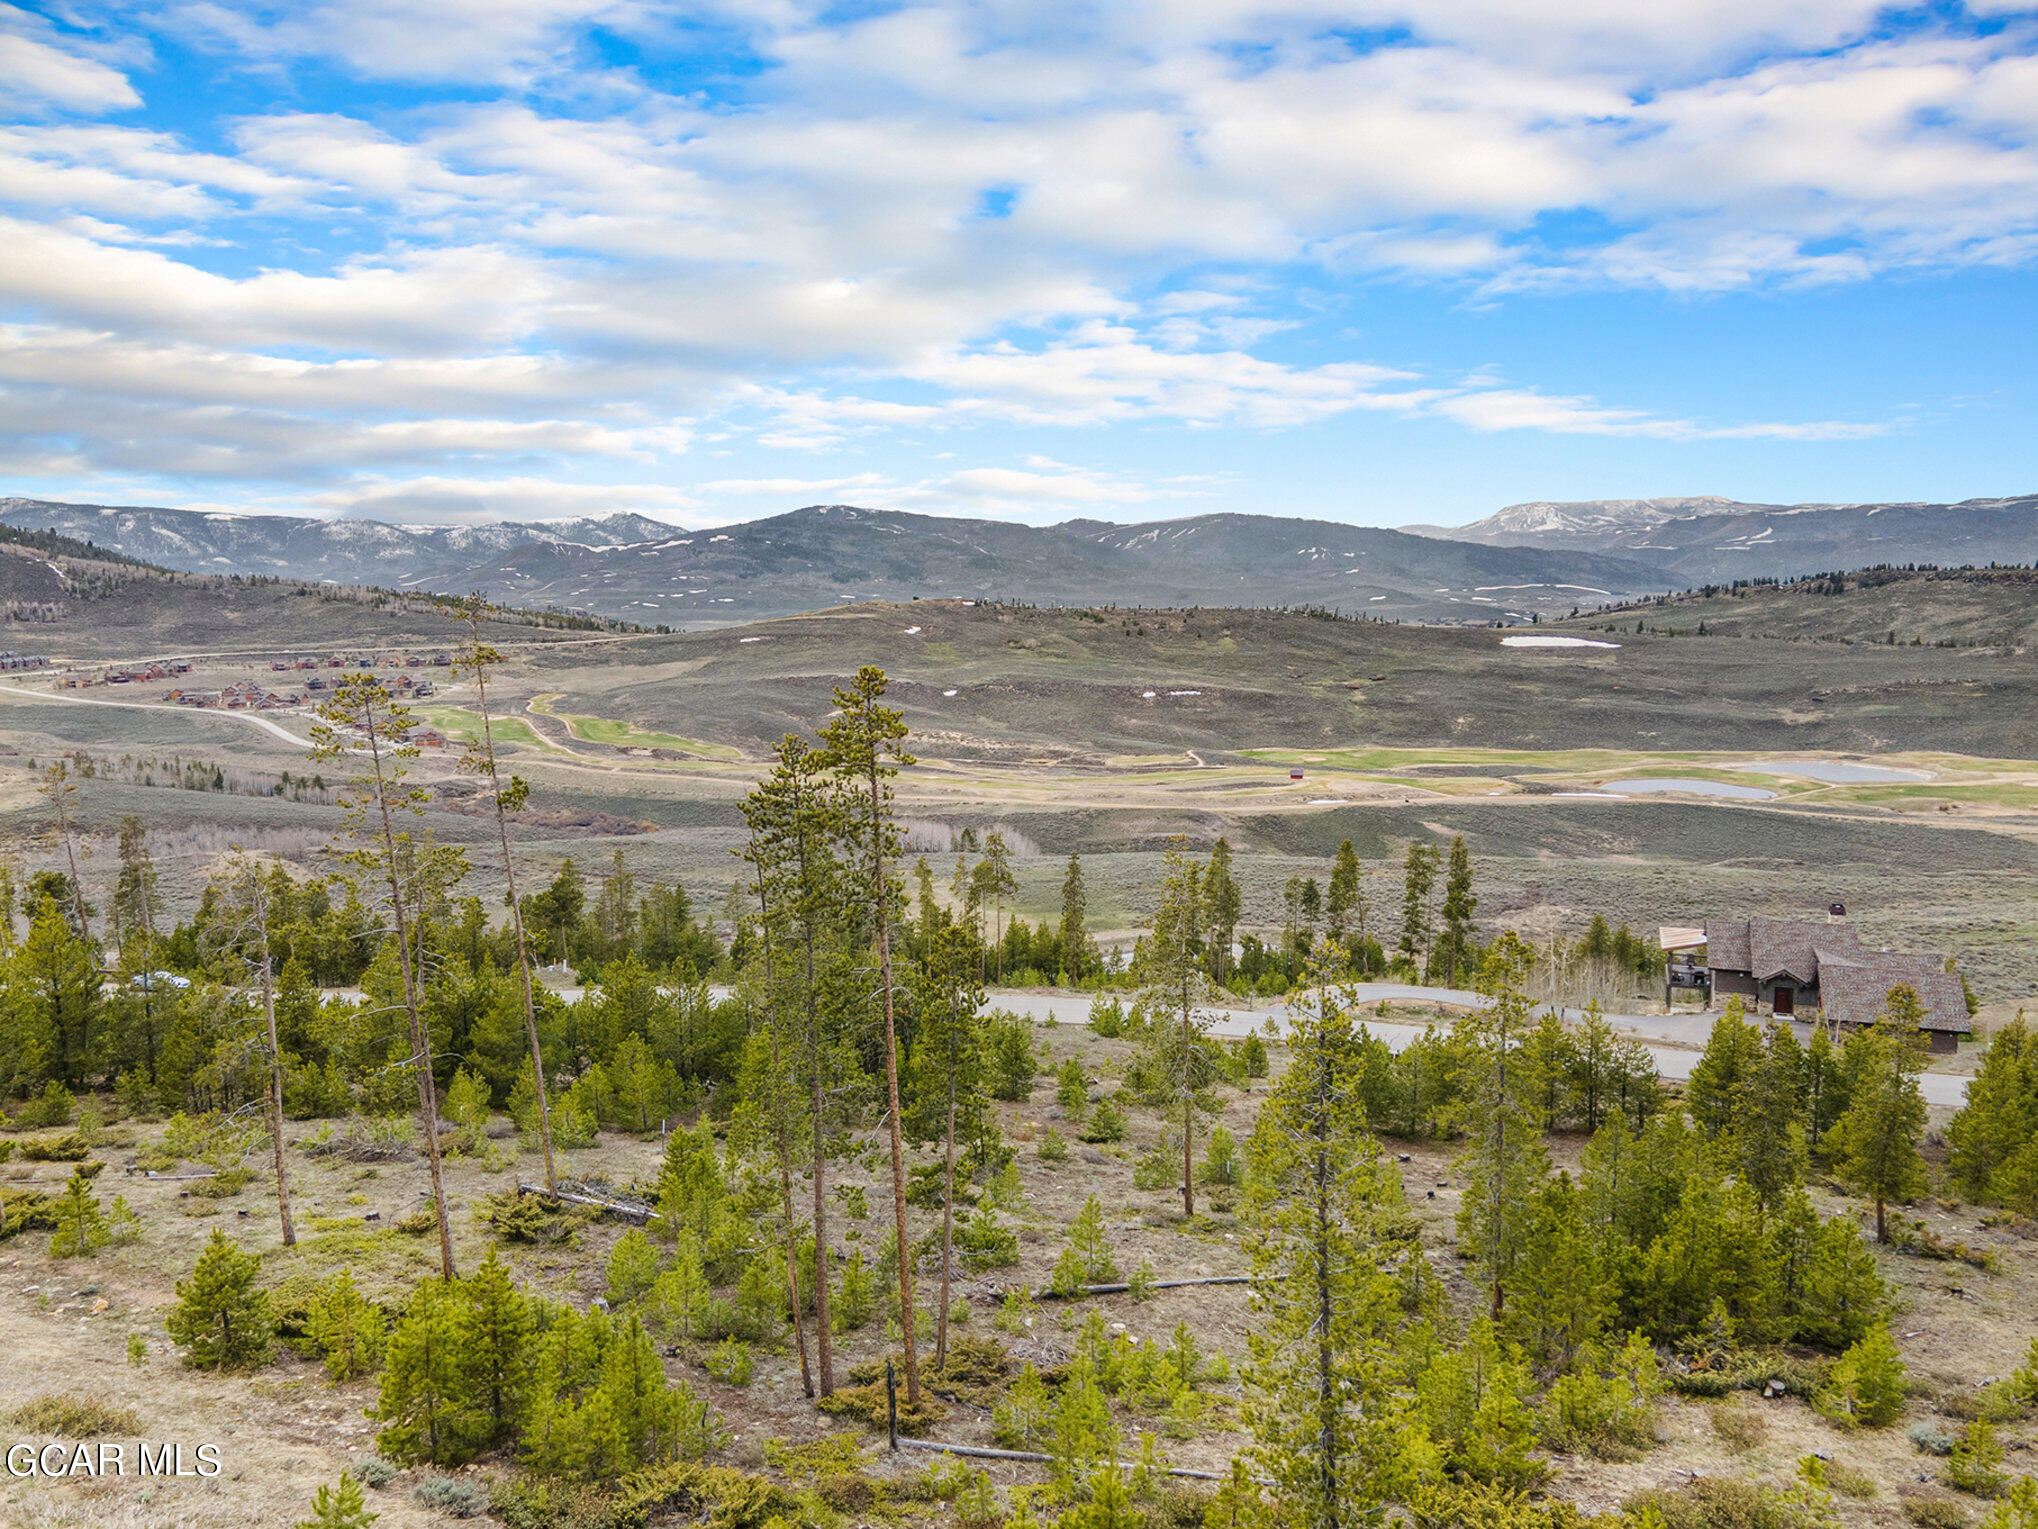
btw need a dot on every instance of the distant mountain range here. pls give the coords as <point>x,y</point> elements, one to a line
<point>1529,558</point>
<point>1710,540</point>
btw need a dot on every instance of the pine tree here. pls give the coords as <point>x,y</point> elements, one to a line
<point>81,1230</point>
<point>1592,1067</point>
<point>221,1320</point>
<point>1165,962</point>
<point>1505,1162</point>
<point>680,1296</point>
<point>1345,906</point>
<point>1418,880</point>
<point>1090,1242</point>
<point>497,1331</point>
<point>1223,904</point>
<point>1071,937</point>
<point>772,1060</point>
<point>1474,1403</point>
<point>1826,1088</point>
<point>362,720</point>
<point>1769,1144</point>
<point>1999,1122</point>
<point>693,1194</point>
<point>1868,1382</point>
<point>426,1406</point>
<point>1876,1141</point>
<point>339,1507</point>
<point>1560,1301</point>
<point>633,1382</point>
<point>1550,1052</point>
<point>136,898</point>
<point>949,1078</point>
<point>246,937</point>
<point>1110,1505</point>
<point>59,790</point>
<point>998,884</point>
<point>1717,1094</point>
<point>633,1268</point>
<point>346,1327</point>
<point>57,989</point>
<point>1455,952</point>
<point>865,747</point>
<point>1330,1302</point>
<point>1081,1439</point>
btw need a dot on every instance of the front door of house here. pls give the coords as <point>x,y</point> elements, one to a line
<point>1786,1000</point>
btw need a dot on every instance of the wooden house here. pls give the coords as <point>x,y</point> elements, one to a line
<point>1819,970</point>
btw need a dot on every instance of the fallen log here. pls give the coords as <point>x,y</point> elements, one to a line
<point>629,1208</point>
<point>1122,1286</point>
<point>975,1452</point>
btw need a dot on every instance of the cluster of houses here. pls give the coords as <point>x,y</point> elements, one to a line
<point>241,695</point>
<point>23,661</point>
<point>439,660</point>
<point>247,695</point>
<point>132,674</point>
<point>244,695</point>
<point>402,686</point>
<point>1817,971</point>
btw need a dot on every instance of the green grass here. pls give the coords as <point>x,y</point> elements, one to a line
<point>623,735</point>
<point>379,1257</point>
<point>464,726</point>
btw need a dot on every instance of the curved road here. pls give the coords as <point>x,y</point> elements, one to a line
<point>181,711</point>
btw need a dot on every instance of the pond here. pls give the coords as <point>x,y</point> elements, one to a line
<point>1834,772</point>
<point>1555,642</point>
<point>1649,785</point>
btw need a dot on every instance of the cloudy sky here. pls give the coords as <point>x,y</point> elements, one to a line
<point>1365,259</point>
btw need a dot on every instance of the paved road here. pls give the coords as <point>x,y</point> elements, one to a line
<point>1684,1034</point>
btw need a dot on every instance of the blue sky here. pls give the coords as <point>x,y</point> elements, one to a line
<point>1360,259</point>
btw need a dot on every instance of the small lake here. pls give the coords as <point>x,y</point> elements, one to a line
<point>1834,772</point>
<point>1650,785</point>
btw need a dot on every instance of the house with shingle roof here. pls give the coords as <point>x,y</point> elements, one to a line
<point>1814,969</point>
<point>1855,990</point>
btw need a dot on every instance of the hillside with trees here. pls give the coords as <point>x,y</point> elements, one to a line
<point>667,1241</point>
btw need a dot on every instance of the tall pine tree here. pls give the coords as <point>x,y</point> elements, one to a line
<point>1329,1287</point>
<point>1876,1141</point>
<point>1504,1162</point>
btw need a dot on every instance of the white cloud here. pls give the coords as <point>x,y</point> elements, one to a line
<point>1491,409</point>
<point>450,40</point>
<point>945,215</point>
<point>794,488</point>
<point>36,69</point>
<point>1004,487</point>
<point>476,500</point>
<point>1106,372</point>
